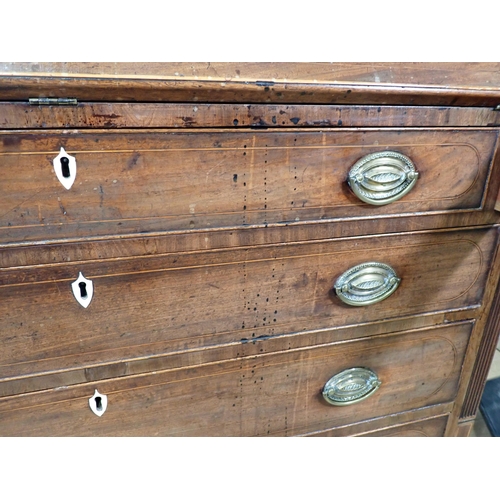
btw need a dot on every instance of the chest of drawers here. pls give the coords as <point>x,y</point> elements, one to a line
<point>283,250</point>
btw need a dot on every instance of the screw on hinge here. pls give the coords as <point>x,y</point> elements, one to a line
<point>53,101</point>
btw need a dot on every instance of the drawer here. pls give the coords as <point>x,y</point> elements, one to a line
<point>134,181</point>
<point>434,427</point>
<point>275,394</point>
<point>161,304</point>
<point>428,421</point>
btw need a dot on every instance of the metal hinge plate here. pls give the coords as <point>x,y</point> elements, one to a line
<point>53,101</point>
<point>497,108</point>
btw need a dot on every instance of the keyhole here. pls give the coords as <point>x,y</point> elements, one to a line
<point>83,290</point>
<point>98,403</point>
<point>65,167</point>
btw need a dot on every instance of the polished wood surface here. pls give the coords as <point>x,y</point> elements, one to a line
<point>433,427</point>
<point>19,115</point>
<point>486,351</point>
<point>256,396</point>
<point>211,211</point>
<point>197,180</point>
<point>456,84</point>
<point>464,429</point>
<point>453,75</point>
<point>174,302</point>
<point>429,421</point>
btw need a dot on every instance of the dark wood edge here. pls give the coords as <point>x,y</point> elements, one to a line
<point>492,186</point>
<point>89,251</point>
<point>118,115</point>
<point>386,422</point>
<point>484,357</point>
<point>171,359</point>
<point>163,90</point>
<point>476,75</point>
<point>464,428</point>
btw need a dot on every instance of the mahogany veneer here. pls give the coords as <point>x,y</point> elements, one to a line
<point>212,217</point>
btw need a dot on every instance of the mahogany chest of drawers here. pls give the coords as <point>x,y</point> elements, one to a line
<point>247,249</point>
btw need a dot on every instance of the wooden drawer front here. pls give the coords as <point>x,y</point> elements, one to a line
<point>278,394</point>
<point>149,306</point>
<point>430,421</point>
<point>433,427</point>
<point>141,181</point>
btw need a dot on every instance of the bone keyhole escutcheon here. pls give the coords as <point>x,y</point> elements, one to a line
<point>98,403</point>
<point>65,168</point>
<point>83,290</point>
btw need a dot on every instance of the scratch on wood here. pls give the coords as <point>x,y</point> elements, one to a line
<point>314,294</point>
<point>21,204</point>
<point>63,210</point>
<point>252,164</point>
<point>210,170</point>
<point>303,173</point>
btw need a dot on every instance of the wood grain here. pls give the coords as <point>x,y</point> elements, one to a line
<point>19,115</point>
<point>428,428</point>
<point>464,429</point>
<point>211,211</point>
<point>277,394</point>
<point>427,417</point>
<point>457,84</point>
<point>245,348</point>
<point>166,303</point>
<point>481,337</point>
<point>196,180</point>
<point>451,75</point>
<point>433,427</point>
<point>484,358</point>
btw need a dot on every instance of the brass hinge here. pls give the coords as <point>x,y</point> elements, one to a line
<point>53,101</point>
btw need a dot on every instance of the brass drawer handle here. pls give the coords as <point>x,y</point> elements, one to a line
<point>366,284</point>
<point>351,386</point>
<point>382,178</point>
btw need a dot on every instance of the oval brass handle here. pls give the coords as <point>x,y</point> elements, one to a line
<point>351,386</point>
<point>366,284</point>
<point>382,178</point>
